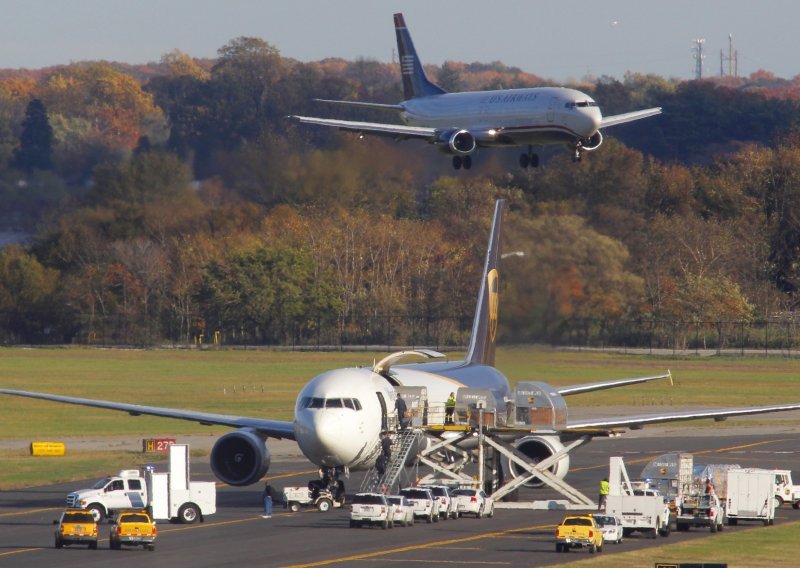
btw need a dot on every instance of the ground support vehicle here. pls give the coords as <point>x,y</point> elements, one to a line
<point>785,490</point>
<point>425,505</point>
<point>700,511</point>
<point>169,495</point>
<point>472,502</point>
<point>648,514</point>
<point>133,528</point>
<point>446,508</point>
<point>611,527</point>
<point>403,512</point>
<point>76,526</point>
<point>579,532</point>
<point>371,509</point>
<point>294,498</point>
<point>751,496</point>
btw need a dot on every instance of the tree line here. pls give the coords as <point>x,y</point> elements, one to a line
<point>174,200</point>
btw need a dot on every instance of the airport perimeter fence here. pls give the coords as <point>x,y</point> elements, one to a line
<point>444,333</point>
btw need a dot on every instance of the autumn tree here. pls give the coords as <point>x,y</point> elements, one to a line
<point>35,151</point>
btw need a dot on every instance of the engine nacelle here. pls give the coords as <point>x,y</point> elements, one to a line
<point>240,457</point>
<point>592,143</point>
<point>460,142</point>
<point>539,448</point>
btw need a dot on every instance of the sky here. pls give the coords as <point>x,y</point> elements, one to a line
<point>557,40</point>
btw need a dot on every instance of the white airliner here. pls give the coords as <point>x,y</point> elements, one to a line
<point>460,123</point>
<point>340,414</point>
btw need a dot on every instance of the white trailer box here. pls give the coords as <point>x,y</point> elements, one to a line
<point>751,495</point>
<point>645,513</point>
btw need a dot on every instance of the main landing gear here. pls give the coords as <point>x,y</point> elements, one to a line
<point>462,161</point>
<point>530,159</point>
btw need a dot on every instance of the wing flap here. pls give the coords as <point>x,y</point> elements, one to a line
<point>269,428</point>
<point>629,117</point>
<point>381,129</point>
<point>638,421</point>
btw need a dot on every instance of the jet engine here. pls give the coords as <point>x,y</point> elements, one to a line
<point>593,142</point>
<point>240,457</point>
<point>539,448</point>
<point>459,142</point>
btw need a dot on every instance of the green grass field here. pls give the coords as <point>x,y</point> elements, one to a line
<point>265,383</point>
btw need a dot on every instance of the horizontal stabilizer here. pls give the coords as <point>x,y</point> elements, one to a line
<point>629,117</point>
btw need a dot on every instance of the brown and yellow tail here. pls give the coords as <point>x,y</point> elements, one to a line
<point>484,326</point>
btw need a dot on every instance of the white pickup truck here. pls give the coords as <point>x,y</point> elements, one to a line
<point>169,495</point>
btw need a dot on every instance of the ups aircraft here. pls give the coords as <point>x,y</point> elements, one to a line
<point>460,123</point>
<point>340,414</point>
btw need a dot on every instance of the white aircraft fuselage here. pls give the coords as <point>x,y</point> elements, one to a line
<point>512,117</point>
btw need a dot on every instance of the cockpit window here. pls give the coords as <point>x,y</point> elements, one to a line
<point>357,403</point>
<point>317,403</point>
<point>348,403</point>
<point>580,104</point>
<point>333,403</point>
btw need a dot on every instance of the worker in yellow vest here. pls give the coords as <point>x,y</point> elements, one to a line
<point>603,494</point>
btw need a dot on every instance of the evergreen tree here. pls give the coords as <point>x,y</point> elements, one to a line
<point>36,142</point>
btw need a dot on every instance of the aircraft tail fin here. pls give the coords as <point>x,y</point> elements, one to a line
<point>484,326</point>
<point>415,82</point>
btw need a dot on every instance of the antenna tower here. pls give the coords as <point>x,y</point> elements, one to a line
<point>732,59</point>
<point>699,56</point>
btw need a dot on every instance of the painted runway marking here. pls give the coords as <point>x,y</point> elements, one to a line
<point>435,544</point>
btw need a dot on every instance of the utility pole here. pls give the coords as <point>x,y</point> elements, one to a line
<point>699,56</point>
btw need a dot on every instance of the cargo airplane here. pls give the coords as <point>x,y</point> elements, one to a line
<point>460,123</point>
<point>340,414</point>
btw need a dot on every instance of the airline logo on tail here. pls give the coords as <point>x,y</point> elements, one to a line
<point>493,286</point>
<point>407,65</point>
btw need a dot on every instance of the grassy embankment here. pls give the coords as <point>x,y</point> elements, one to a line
<point>267,384</point>
<point>755,548</point>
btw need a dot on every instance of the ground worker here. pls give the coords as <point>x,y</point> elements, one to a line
<point>400,406</point>
<point>449,408</point>
<point>603,494</point>
<point>386,446</point>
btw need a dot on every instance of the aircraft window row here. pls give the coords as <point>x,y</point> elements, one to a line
<point>581,104</point>
<point>317,402</point>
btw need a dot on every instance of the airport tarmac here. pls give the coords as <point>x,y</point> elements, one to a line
<point>237,535</point>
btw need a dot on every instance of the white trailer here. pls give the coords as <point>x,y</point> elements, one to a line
<point>171,494</point>
<point>751,496</point>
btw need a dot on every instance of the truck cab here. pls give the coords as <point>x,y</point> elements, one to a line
<point>123,491</point>
<point>785,490</point>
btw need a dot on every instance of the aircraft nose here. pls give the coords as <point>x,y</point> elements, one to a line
<point>322,436</point>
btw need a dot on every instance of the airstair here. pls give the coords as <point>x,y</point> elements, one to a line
<point>403,442</point>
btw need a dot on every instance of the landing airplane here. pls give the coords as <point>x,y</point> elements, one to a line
<point>340,414</point>
<point>460,123</point>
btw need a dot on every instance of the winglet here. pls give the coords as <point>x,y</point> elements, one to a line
<point>484,326</point>
<point>415,81</point>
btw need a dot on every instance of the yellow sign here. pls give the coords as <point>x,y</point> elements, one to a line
<point>48,448</point>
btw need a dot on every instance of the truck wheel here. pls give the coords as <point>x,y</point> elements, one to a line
<point>480,513</point>
<point>653,533</point>
<point>592,549</point>
<point>93,545</point>
<point>324,505</point>
<point>188,513</point>
<point>713,527</point>
<point>114,545</point>
<point>599,548</point>
<point>294,506</point>
<point>558,547</point>
<point>796,505</point>
<point>385,525</point>
<point>664,531</point>
<point>59,543</point>
<point>97,511</point>
<point>429,519</point>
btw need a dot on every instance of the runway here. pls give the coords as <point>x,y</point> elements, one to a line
<point>237,535</point>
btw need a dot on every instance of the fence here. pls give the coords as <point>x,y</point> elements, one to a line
<point>399,331</point>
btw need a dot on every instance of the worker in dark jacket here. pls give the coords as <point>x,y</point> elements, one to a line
<point>386,446</point>
<point>400,406</point>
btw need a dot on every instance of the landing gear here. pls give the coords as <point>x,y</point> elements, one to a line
<point>459,161</point>
<point>576,152</point>
<point>530,159</point>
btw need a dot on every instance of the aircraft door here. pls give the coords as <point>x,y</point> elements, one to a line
<point>384,414</point>
<point>551,109</point>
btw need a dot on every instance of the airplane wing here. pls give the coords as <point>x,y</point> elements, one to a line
<point>628,117</point>
<point>381,129</point>
<point>637,422</point>
<point>269,428</point>
<point>360,104</point>
<point>589,387</point>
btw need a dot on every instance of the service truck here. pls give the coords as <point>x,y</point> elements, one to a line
<point>785,490</point>
<point>169,495</point>
<point>640,508</point>
<point>700,510</point>
<point>751,496</point>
